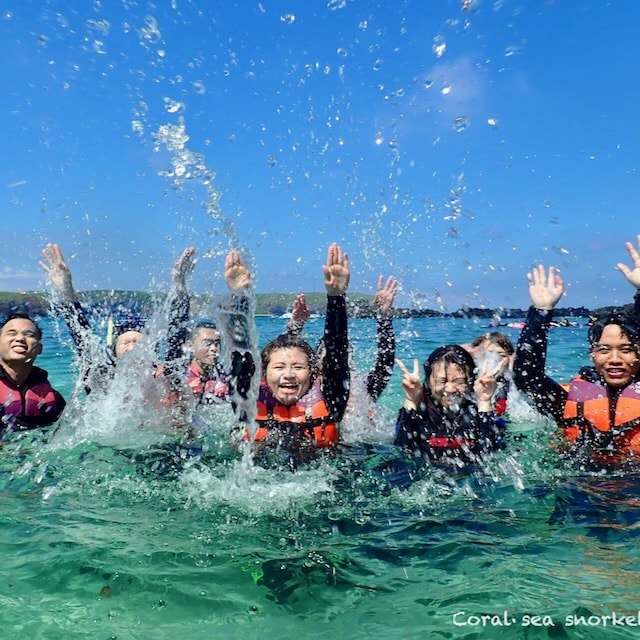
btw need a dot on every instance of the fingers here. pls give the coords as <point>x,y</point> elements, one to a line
<point>402,366</point>
<point>405,371</point>
<point>232,259</point>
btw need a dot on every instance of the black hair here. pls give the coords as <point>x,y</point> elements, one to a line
<point>629,327</point>
<point>202,324</point>
<point>499,339</point>
<point>289,341</point>
<point>450,354</point>
<point>22,316</point>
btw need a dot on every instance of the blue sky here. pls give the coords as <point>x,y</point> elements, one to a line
<point>452,148</point>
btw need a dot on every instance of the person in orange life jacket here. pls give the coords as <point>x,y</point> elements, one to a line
<point>27,399</point>
<point>600,412</point>
<point>205,374</point>
<point>449,418</point>
<point>494,347</point>
<point>297,412</point>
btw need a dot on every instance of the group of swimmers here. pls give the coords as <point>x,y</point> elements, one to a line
<point>292,399</point>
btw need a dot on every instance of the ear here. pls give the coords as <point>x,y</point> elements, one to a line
<point>39,348</point>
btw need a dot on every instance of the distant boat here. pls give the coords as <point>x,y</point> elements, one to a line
<point>288,315</point>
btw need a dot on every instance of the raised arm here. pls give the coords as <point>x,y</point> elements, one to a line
<point>336,378</point>
<point>179,304</point>
<point>67,303</point>
<point>237,327</point>
<point>529,374</point>
<point>380,375</point>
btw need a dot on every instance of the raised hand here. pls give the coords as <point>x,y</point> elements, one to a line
<point>336,271</point>
<point>182,268</point>
<point>57,269</point>
<point>383,300</point>
<point>300,311</point>
<point>236,273</point>
<point>411,384</point>
<point>632,275</point>
<point>545,291</point>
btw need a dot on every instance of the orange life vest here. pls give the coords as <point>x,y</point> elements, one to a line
<point>588,419</point>
<point>309,417</point>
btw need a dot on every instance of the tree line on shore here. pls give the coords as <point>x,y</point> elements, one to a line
<point>143,303</point>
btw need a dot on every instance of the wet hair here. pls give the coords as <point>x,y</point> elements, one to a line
<point>202,324</point>
<point>499,339</point>
<point>450,354</point>
<point>629,327</point>
<point>289,341</point>
<point>22,316</point>
<point>127,324</point>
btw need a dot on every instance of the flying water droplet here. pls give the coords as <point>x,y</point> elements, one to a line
<point>461,123</point>
<point>439,46</point>
<point>288,18</point>
<point>492,122</point>
<point>172,106</point>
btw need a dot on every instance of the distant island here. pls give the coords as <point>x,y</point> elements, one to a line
<point>121,303</point>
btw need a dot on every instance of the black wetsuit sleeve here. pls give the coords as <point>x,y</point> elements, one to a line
<point>177,326</point>
<point>335,371</point>
<point>78,325</point>
<point>238,335</point>
<point>636,306</point>
<point>294,327</point>
<point>380,375</point>
<point>529,374</point>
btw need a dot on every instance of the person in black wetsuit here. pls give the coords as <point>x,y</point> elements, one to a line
<point>295,411</point>
<point>600,411</point>
<point>97,360</point>
<point>449,419</point>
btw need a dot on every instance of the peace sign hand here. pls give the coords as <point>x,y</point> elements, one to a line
<point>411,384</point>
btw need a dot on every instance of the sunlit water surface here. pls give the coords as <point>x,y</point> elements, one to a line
<point>130,543</point>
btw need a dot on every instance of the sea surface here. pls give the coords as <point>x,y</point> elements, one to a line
<point>123,538</point>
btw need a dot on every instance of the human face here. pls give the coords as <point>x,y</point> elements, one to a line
<point>495,357</point>
<point>126,341</point>
<point>448,384</point>
<point>288,374</point>
<point>205,347</point>
<point>19,342</point>
<point>615,357</point>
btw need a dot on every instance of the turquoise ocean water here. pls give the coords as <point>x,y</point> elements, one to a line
<point>104,541</point>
